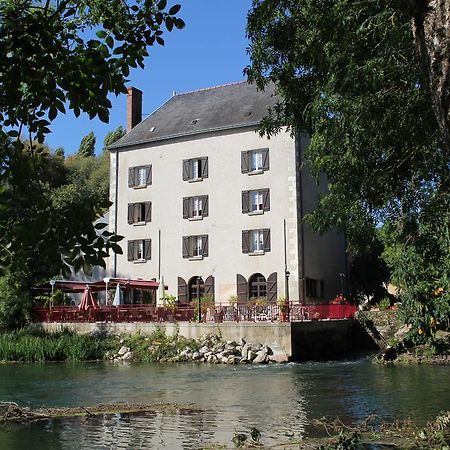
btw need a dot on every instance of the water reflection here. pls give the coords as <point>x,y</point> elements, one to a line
<point>278,400</point>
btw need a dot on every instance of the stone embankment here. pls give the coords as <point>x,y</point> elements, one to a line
<point>208,349</point>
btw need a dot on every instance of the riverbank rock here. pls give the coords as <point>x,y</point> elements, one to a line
<point>208,349</point>
<point>123,350</point>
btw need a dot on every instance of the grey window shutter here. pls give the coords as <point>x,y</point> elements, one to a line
<point>130,250</point>
<point>209,286</point>
<point>186,169</point>
<point>244,162</point>
<point>148,249</point>
<point>130,213</point>
<point>266,236</point>
<point>204,164</point>
<point>272,289</point>
<point>205,245</point>
<point>245,202</point>
<point>136,248</point>
<point>186,252</point>
<point>242,288</point>
<point>149,175</point>
<point>266,199</point>
<point>205,206</point>
<point>148,211</point>
<point>245,241</point>
<point>131,176</point>
<point>265,158</point>
<point>182,291</point>
<point>186,203</point>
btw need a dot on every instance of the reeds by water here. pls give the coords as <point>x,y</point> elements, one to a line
<point>27,346</point>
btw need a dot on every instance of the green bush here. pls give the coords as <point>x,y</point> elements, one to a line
<point>15,304</point>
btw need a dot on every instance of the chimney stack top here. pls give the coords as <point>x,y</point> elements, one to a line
<point>134,107</point>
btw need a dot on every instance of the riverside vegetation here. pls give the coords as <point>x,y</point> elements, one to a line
<point>39,346</point>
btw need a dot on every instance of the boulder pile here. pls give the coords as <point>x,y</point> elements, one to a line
<point>210,348</point>
<point>213,350</point>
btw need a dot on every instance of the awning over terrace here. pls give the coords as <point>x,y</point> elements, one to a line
<point>97,286</point>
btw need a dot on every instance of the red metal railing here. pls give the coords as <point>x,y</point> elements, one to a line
<point>219,313</point>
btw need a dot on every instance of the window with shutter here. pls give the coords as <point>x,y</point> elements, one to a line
<point>139,250</point>
<point>140,176</point>
<point>195,169</point>
<point>242,289</point>
<point>245,202</point>
<point>185,244</point>
<point>255,161</point>
<point>245,241</point>
<point>130,252</point>
<point>256,242</point>
<point>209,286</point>
<point>139,213</point>
<point>182,291</point>
<point>272,288</point>
<point>244,161</point>
<point>195,207</point>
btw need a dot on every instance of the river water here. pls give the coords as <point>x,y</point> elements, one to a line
<point>277,399</point>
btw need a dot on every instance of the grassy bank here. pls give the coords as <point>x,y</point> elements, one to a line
<point>39,346</point>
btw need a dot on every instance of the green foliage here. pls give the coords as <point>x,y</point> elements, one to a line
<point>368,272</point>
<point>47,225</point>
<point>113,136</point>
<point>384,304</point>
<point>50,60</point>
<point>349,76</point>
<point>87,146</point>
<point>158,347</point>
<point>27,346</point>
<point>14,302</point>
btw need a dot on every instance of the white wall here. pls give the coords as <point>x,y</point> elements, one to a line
<point>225,222</point>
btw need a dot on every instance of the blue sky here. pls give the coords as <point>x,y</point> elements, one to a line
<point>209,51</point>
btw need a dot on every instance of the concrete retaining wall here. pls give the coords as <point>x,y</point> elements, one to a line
<point>301,340</point>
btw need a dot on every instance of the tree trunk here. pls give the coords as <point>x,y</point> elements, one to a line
<point>431,30</point>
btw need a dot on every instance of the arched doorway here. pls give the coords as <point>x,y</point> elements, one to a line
<point>196,288</point>
<point>257,286</point>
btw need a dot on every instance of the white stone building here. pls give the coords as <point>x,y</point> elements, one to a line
<point>206,203</point>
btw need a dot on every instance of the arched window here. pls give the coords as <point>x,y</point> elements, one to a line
<point>196,288</point>
<point>257,286</point>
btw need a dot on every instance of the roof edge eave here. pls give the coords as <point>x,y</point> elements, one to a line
<point>178,135</point>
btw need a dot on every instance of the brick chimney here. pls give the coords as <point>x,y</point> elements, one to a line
<point>134,107</point>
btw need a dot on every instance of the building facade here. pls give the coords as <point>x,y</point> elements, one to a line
<point>213,208</point>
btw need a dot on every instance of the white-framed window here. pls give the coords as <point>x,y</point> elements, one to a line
<point>256,201</point>
<point>140,250</point>
<point>195,169</point>
<point>142,176</point>
<point>195,247</point>
<point>256,240</point>
<point>139,213</point>
<point>139,176</point>
<point>197,207</point>
<point>198,246</point>
<point>256,160</point>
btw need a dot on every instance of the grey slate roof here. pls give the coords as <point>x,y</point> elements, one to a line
<point>219,108</point>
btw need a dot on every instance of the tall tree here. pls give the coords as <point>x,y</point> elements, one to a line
<point>350,75</point>
<point>87,146</point>
<point>57,55</point>
<point>113,136</point>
